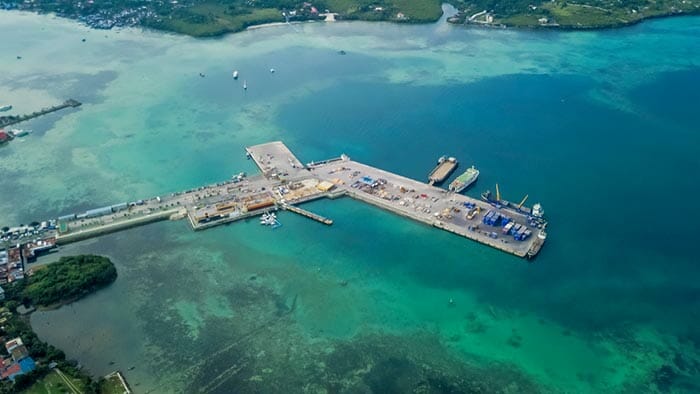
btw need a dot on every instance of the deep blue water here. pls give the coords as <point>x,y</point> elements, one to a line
<point>618,187</point>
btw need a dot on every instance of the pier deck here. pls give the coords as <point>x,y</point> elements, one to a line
<point>308,214</point>
<point>286,182</point>
<point>420,201</point>
<point>10,120</point>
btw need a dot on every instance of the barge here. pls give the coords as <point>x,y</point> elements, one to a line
<point>444,168</point>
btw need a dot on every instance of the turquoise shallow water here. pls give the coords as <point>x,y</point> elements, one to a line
<point>600,127</point>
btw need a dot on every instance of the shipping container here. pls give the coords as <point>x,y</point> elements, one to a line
<point>507,227</point>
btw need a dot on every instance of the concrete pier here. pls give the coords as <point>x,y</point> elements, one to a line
<point>308,214</point>
<point>285,182</point>
<point>14,119</point>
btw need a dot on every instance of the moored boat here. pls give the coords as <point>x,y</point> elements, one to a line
<point>537,210</point>
<point>537,244</point>
<point>444,168</point>
<point>465,180</point>
<point>19,132</point>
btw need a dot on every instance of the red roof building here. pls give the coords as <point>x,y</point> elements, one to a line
<point>13,370</point>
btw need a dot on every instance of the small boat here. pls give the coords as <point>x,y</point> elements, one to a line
<point>272,71</point>
<point>245,85</point>
<point>5,108</point>
<point>235,74</point>
<point>270,219</point>
<point>19,132</point>
<point>267,218</point>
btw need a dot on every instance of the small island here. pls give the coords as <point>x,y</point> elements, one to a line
<point>206,18</point>
<point>31,364</point>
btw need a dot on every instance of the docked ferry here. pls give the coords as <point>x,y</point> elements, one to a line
<point>465,180</point>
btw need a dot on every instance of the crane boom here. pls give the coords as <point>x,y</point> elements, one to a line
<point>523,201</point>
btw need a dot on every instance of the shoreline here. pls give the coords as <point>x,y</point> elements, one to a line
<point>581,28</point>
<point>44,358</point>
<point>271,24</point>
<point>533,27</point>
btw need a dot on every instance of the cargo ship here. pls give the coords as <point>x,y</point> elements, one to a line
<point>4,108</point>
<point>443,169</point>
<point>465,180</point>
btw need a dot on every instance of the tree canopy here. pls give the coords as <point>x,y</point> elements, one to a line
<point>68,279</point>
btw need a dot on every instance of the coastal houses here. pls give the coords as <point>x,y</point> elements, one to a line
<point>23,245</point>
<point>11,266</point>
<point>19,361</point>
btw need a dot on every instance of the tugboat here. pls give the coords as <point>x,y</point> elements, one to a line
<point>537,210</point>
<point>537,244</point>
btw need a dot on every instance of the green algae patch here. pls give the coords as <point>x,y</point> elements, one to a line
<point>190,315</point>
